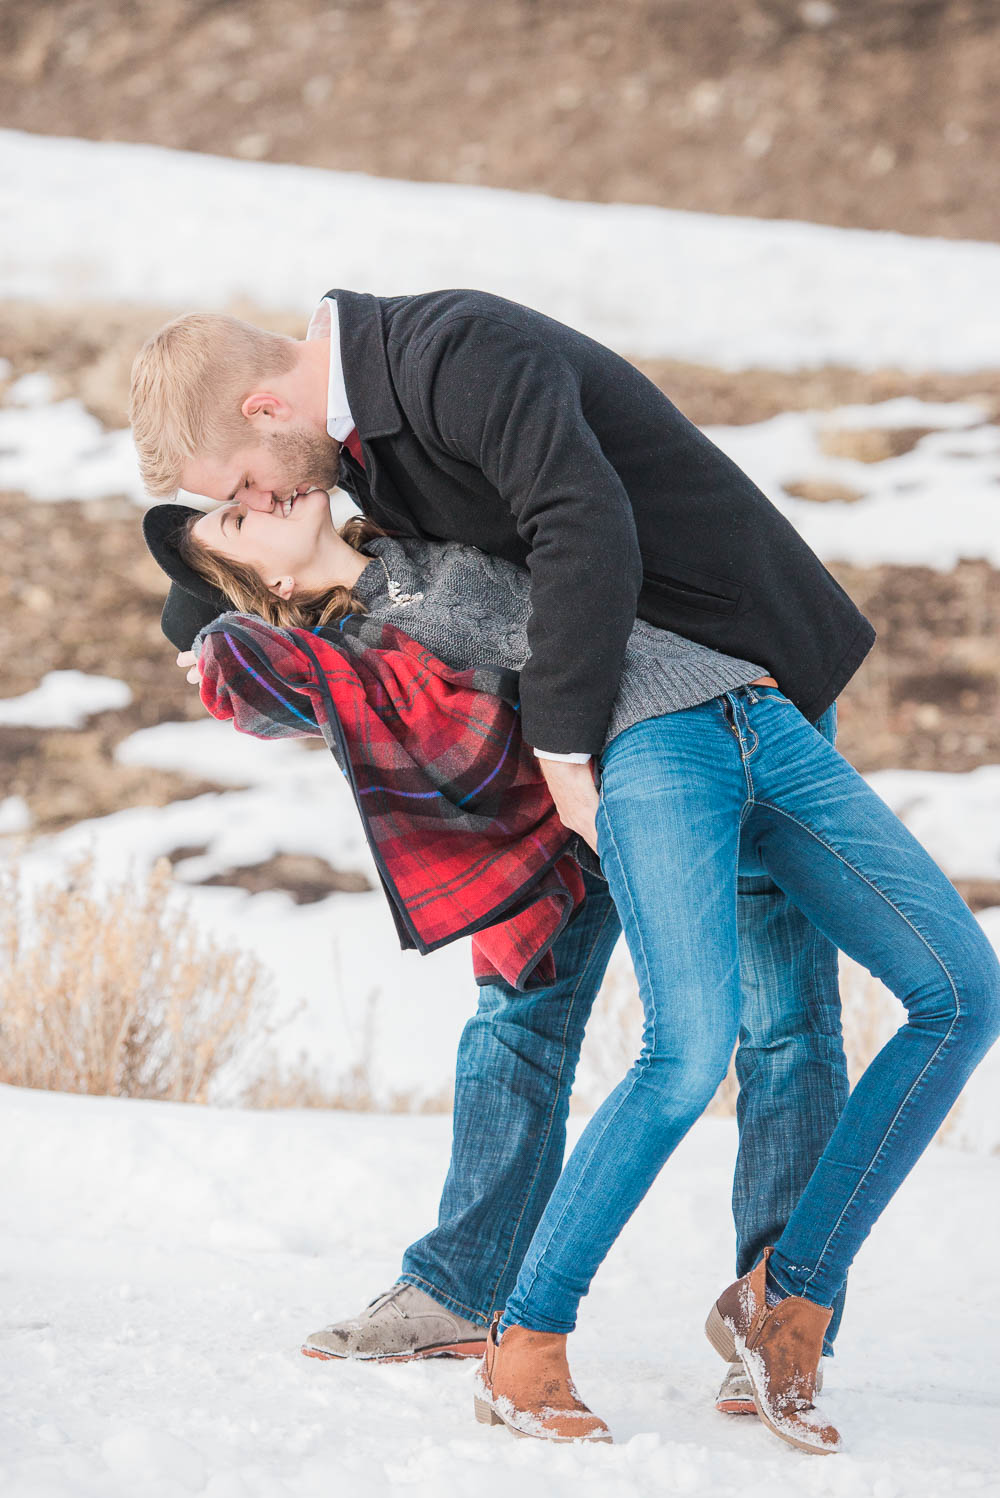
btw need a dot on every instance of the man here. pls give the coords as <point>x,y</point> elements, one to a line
<point>461,416</point>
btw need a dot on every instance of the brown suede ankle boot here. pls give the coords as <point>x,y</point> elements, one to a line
<point>524,1383</point>
<point>780,1348</point>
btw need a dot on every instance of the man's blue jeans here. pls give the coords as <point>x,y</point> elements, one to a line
<point>515,1068</point>
<point>681,796</point>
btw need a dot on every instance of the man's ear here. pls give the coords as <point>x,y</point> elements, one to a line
<point>282,587</point>
<point>264,405</point>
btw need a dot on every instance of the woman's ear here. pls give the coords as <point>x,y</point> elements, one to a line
<point>282,587</point>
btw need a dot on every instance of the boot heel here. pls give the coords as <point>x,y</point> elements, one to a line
<point>720,1336</point>
<point>485,1413</point>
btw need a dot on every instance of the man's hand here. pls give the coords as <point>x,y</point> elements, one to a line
<point>573,790</point>
<point>187,659</point>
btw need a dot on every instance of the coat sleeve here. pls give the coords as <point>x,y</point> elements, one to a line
<point>499,399</point>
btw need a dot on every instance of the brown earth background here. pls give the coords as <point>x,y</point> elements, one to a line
<point>878,115</point>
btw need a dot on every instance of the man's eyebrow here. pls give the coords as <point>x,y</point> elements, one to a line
<point>230,497</point>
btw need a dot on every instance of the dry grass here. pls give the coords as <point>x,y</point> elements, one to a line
<point>108,988</point>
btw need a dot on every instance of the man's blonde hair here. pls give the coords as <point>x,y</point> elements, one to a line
<point>188,384</point>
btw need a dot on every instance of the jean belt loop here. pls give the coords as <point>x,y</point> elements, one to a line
<point>752,697</point>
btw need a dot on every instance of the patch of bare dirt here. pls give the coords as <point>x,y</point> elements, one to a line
<point>302,875</point>
<point>928,697</point>
<point>870,113</point>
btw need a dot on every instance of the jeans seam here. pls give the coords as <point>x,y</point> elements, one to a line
<point>635,1080</point>
<point>931,1060</point>
<point>548,1126</point>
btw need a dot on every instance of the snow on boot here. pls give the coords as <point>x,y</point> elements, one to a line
<point>735,1396</point>
<point>779,1347</point>
<point>524,1383</point>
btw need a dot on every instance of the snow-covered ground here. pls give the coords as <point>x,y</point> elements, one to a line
<point>160,1266</point>
<point>64,699</point>
<point>930,507</point>
<point>106,221</point>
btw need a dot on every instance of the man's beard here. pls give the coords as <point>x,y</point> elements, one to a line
<point>306,457</point>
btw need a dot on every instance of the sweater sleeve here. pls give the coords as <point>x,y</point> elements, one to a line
<point>502,401</point>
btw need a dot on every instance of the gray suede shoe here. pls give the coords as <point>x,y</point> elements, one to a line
<point>403,1324</point>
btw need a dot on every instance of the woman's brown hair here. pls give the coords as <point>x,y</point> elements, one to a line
<point>249,594</point>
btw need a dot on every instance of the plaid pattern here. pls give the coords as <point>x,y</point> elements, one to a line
<point>458,817</point>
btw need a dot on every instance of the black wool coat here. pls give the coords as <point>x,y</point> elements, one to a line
<point>483,421</point>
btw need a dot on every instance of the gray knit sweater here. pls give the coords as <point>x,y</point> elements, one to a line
<point>475,609</point>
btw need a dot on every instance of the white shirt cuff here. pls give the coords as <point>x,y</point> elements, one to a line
<point>573,759</point>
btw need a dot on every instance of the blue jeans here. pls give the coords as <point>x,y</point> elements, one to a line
<point>681,797</point>
<point>515,1068</point>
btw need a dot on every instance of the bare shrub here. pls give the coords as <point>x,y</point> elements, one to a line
<point>104,989</point>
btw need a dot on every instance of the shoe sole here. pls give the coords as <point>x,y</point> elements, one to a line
<point>445,1350</point>
<point>487,1415</point>
<point>736,1407</point>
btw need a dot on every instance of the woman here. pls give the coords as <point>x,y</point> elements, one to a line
<point>737,773</point>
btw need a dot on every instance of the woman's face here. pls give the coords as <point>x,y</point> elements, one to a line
<point>295,540</point>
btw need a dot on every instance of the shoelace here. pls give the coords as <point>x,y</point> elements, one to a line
<point>385,1297</point>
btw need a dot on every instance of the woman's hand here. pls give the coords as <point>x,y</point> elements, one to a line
<point>575,795</point>
<point>188,659</point>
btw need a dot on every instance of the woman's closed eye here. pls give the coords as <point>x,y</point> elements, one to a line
<point>231,517</point>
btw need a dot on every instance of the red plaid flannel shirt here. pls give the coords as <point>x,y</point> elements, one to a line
<point>459,820</point>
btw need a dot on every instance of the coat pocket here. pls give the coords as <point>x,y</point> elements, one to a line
<point>692,589</point>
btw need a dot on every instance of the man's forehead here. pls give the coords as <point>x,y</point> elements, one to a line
<point>215,478</point>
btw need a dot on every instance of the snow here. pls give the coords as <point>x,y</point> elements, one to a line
<point>37,389</point>
<point>155,1345</point>
<point>15,815</point>
<point>930,507</point>
<point>99,220</point>
<point>60,451</point>
<point>955,816</point>
<point>64,699</point>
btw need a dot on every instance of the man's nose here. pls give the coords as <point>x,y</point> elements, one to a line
<point>259,499</point>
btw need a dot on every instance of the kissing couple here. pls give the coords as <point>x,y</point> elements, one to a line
<point>581,675</point>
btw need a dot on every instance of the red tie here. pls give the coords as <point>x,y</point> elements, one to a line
<point>353,444</point>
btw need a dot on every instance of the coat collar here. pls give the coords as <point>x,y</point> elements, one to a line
<point>366,365</point>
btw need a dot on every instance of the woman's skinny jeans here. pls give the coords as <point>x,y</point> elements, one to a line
<point>685,798</point>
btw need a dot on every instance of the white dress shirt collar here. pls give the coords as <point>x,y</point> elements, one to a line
<point>325,323</point>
